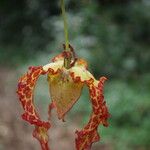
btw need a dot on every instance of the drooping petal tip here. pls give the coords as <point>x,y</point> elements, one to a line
<point>25,91</point>
<point>100,115</point>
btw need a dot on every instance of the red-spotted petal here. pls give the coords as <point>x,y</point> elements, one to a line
<point>89,133</point>
<point>25,92</point>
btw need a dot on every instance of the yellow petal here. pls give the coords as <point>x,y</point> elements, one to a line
<point>81,74</point>
<point>54,66</point>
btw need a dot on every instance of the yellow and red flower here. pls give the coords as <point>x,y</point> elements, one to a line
<point>65,89</point>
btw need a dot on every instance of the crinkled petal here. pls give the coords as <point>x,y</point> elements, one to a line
<point>100,114</point>
<point>89,133</point>
<point>25,92</point>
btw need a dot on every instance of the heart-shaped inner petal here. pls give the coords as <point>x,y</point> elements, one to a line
<point>64,91</point>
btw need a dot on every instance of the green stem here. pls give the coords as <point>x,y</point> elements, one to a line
<point>67,61</point>
<point>65,25</point>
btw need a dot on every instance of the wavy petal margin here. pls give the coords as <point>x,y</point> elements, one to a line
<point>89,133</point>
<point>25,90</point>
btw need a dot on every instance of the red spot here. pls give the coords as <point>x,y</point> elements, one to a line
<point>94,102</point>
<point>77,79</point>
<point>28,103</point>
<point>31,109</point>
<point>28,94</point>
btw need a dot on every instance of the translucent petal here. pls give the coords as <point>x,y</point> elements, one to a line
<point>64,91</point>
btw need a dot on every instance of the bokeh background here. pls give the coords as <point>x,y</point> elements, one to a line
<point>112,35</point>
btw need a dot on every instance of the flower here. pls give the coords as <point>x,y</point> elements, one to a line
<point>65,89</point>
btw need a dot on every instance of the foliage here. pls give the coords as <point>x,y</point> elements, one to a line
<point>114,33</point>
<point>122,37</point>
<point>24,29</point>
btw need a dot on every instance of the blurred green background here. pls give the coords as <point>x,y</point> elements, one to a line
<point>112,35</point>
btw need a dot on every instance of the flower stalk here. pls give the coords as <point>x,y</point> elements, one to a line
<point>67,59</point>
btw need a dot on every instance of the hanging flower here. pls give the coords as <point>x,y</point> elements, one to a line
<point>65,86</point>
